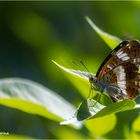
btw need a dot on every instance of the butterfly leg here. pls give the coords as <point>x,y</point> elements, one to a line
<point>114,99</point>
<point>88,97</point>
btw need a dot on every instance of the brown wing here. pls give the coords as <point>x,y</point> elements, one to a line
<point>126,77</point>
<point>127,51</point>
<point>133,87</point>
<point>121,68</point>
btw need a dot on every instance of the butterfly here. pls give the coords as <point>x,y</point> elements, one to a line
<point>119,75</point>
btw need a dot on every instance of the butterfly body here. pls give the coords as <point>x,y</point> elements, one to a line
<point>119,74</point>
<point>113,91</point>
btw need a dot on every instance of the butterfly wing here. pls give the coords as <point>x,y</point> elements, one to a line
<point>121,67</point>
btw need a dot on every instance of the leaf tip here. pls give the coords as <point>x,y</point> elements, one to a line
<point>55,63</point>
<point>111,40</point>
<point>77,124</point>
<point>89,21</point>
<point>61,67</point>
<point>87,18</point>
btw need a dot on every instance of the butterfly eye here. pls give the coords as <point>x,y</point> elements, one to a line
<point>92,80</point>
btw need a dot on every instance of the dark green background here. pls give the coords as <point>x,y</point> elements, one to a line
<point>33,33</point>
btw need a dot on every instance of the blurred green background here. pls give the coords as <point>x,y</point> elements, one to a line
<point>34,33</point>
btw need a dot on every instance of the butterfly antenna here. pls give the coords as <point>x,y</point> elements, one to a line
<point>84,65</point>
<point>91,86</point>
<point>75,64</point>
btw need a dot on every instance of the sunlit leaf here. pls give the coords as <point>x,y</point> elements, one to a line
<point>110,40</point>
<point>78,78</point>
<point>34,98</point>
<point>91,109</point>
<point>101,126</point>
<point>136,124</point>
<point>137,106</point>
<point>63,132</point>
<point>78,73</point>
<point>134,135</point>
<point>115,107</point>
<point>87,109</point>
<point>98,126</point>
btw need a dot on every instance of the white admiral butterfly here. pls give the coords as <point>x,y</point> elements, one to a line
<point>119,74</point>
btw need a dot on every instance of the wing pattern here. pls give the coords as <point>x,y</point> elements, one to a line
<point>121,68</point>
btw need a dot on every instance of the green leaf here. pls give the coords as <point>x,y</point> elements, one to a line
<point>78,78</point>
<point>115,107</point>
<point>136,124</point>
<point>62,132</point>
<point>137,105</point>
<point>101,126</point>
<point>77,73</point>
<point>104,99</point>
<point>87,109</point>
<point>91,109</point>
<point>34,98</point>
<point>84,111</point>
<point>110,40</point>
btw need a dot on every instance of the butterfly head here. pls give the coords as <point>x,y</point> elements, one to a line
<point>94,82</point>
<point>93,79</point>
